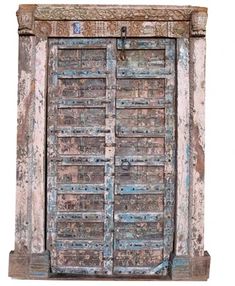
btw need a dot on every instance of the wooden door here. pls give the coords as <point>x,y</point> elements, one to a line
<point>111,156</point>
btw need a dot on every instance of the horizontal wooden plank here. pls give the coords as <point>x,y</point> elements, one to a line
<point>81,188</point>
<point>136,270</point>
<point>82,73</point>
<point>137,244</point>
<point>144,73</point>
<point>128,161</point>
<point>138,217</point>
<point>122,131</point>
<point>139,189</point>
<point>79,43</point>
<point>79,244</point>
<point>144,44</point>
<point>79,131</point>
<point>140,103</point>
<point>82,102</point>
<point>80,216</point>
<point>78,270</point>
<point>81,160</point>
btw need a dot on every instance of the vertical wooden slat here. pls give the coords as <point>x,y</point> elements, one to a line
<point>39,149</point>
<point>109,154</point>
<point>25,127</point>
<point>51,153</point>
<point>169,169</point>
<point>183,149</point>
<point>197,100</point>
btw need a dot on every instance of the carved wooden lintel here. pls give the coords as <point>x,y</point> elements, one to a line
<point>198,24</point>
<point>38,19</point>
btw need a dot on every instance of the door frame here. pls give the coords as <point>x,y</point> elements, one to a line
<point>38,23</point>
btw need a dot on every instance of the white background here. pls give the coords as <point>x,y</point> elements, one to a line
<point>220,145</point>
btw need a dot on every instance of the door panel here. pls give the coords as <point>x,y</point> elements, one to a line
<point>110,156</point>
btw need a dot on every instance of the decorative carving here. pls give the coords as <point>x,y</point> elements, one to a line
<point>178,29</point>
<point>43,29</point>
<point>25,16</point>
<point>62,28</point>
<point>198,24</point>
<point>83,12</point>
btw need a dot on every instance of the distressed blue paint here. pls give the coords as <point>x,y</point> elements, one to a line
<point>79,244</point>
<point>76,216</point>
<point>140,103</point>
<point>140,189</point>
<point>137,244</point>
<point>82,102</point>
<point>80,131</point>
<point>144,43</point>
<point>156,160</point>
<point>79,42</point>
<point>137,217</point>
<point>81,73</point>
<point>79,270</point>
<point>140,131</point>
<point>143,73</point>
<point>82,160</point>
<point>81,188</point>
<point>77,28</point>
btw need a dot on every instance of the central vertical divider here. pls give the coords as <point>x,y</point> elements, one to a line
<point>109,156</point>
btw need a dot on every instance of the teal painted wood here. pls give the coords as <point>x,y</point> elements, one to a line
<point>102,195</point>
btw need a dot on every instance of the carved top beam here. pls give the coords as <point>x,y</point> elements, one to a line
<point>28,14</point>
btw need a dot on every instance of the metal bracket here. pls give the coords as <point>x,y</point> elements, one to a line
<point>123,38</point>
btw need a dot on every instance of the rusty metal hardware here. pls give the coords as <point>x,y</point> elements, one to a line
<point>123,38</point>
<point>125,165</point>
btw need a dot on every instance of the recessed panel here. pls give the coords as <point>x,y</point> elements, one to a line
<point>139,175</point>
<point>80,230</point>
<point>82,58</point>
<point>139,203</point>
<point>80,174</point>
<point>81,146</point>
<point>81,117</point>
<point>139,146</point>
<point>82,87</point>
<point>143,59</point>
<point>139,258</point>
<point>80,258</point>
<point>78,203</point>
<point>139,230</point>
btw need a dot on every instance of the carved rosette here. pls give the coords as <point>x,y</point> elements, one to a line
<point>25,17</point>
<point>198,24</point>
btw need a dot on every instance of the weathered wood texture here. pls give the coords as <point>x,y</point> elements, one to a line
<point>136,176</point>
<point>197,82</point>
<point>183,149</point>
<point>113,208</point>
<point>26,89</point>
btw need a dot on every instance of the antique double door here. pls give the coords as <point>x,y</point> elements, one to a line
<point>111,155</point>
